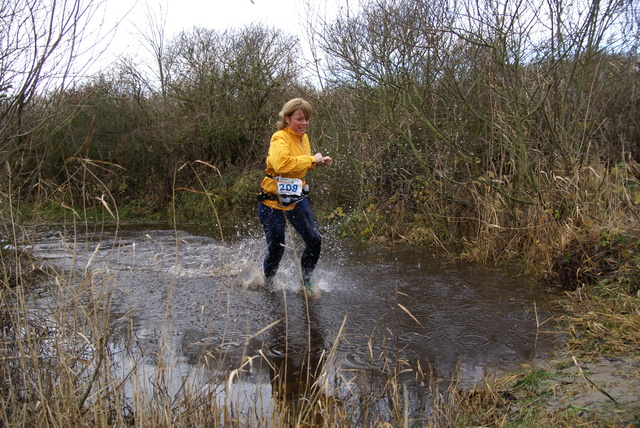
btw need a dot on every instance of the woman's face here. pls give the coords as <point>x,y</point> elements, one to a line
<point>297,122</point>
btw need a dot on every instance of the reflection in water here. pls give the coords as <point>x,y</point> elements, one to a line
<point>296,355</point>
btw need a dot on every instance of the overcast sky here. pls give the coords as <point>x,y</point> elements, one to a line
<point>132,17</point>
<point>219,14</point>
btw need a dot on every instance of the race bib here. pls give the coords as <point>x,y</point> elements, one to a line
<point>289,186</point>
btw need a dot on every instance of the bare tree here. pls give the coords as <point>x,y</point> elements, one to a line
<point>230,84</point>
<point>153,37</point>
<point>488,84</point>
<point>40,43</point>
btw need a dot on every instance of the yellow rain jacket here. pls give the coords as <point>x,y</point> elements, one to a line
<point>289,156</point>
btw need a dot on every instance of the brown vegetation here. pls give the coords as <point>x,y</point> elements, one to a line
<point>510,136</point>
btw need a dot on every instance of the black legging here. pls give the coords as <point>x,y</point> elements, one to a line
<point>274,225</point>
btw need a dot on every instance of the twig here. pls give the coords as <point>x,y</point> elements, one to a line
<point>591,382</point>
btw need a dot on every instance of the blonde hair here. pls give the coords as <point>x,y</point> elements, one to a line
<point>291,107</point>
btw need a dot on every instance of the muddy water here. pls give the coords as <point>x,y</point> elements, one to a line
<point>381,308</point>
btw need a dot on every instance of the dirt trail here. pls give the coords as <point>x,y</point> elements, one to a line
<point>606,390</point>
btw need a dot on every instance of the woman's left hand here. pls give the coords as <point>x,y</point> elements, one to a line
<point>322,160</point>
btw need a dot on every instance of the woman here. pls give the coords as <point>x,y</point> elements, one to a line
<point>284,190</point>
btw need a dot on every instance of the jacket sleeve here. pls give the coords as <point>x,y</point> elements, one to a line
<point>286,163</point>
